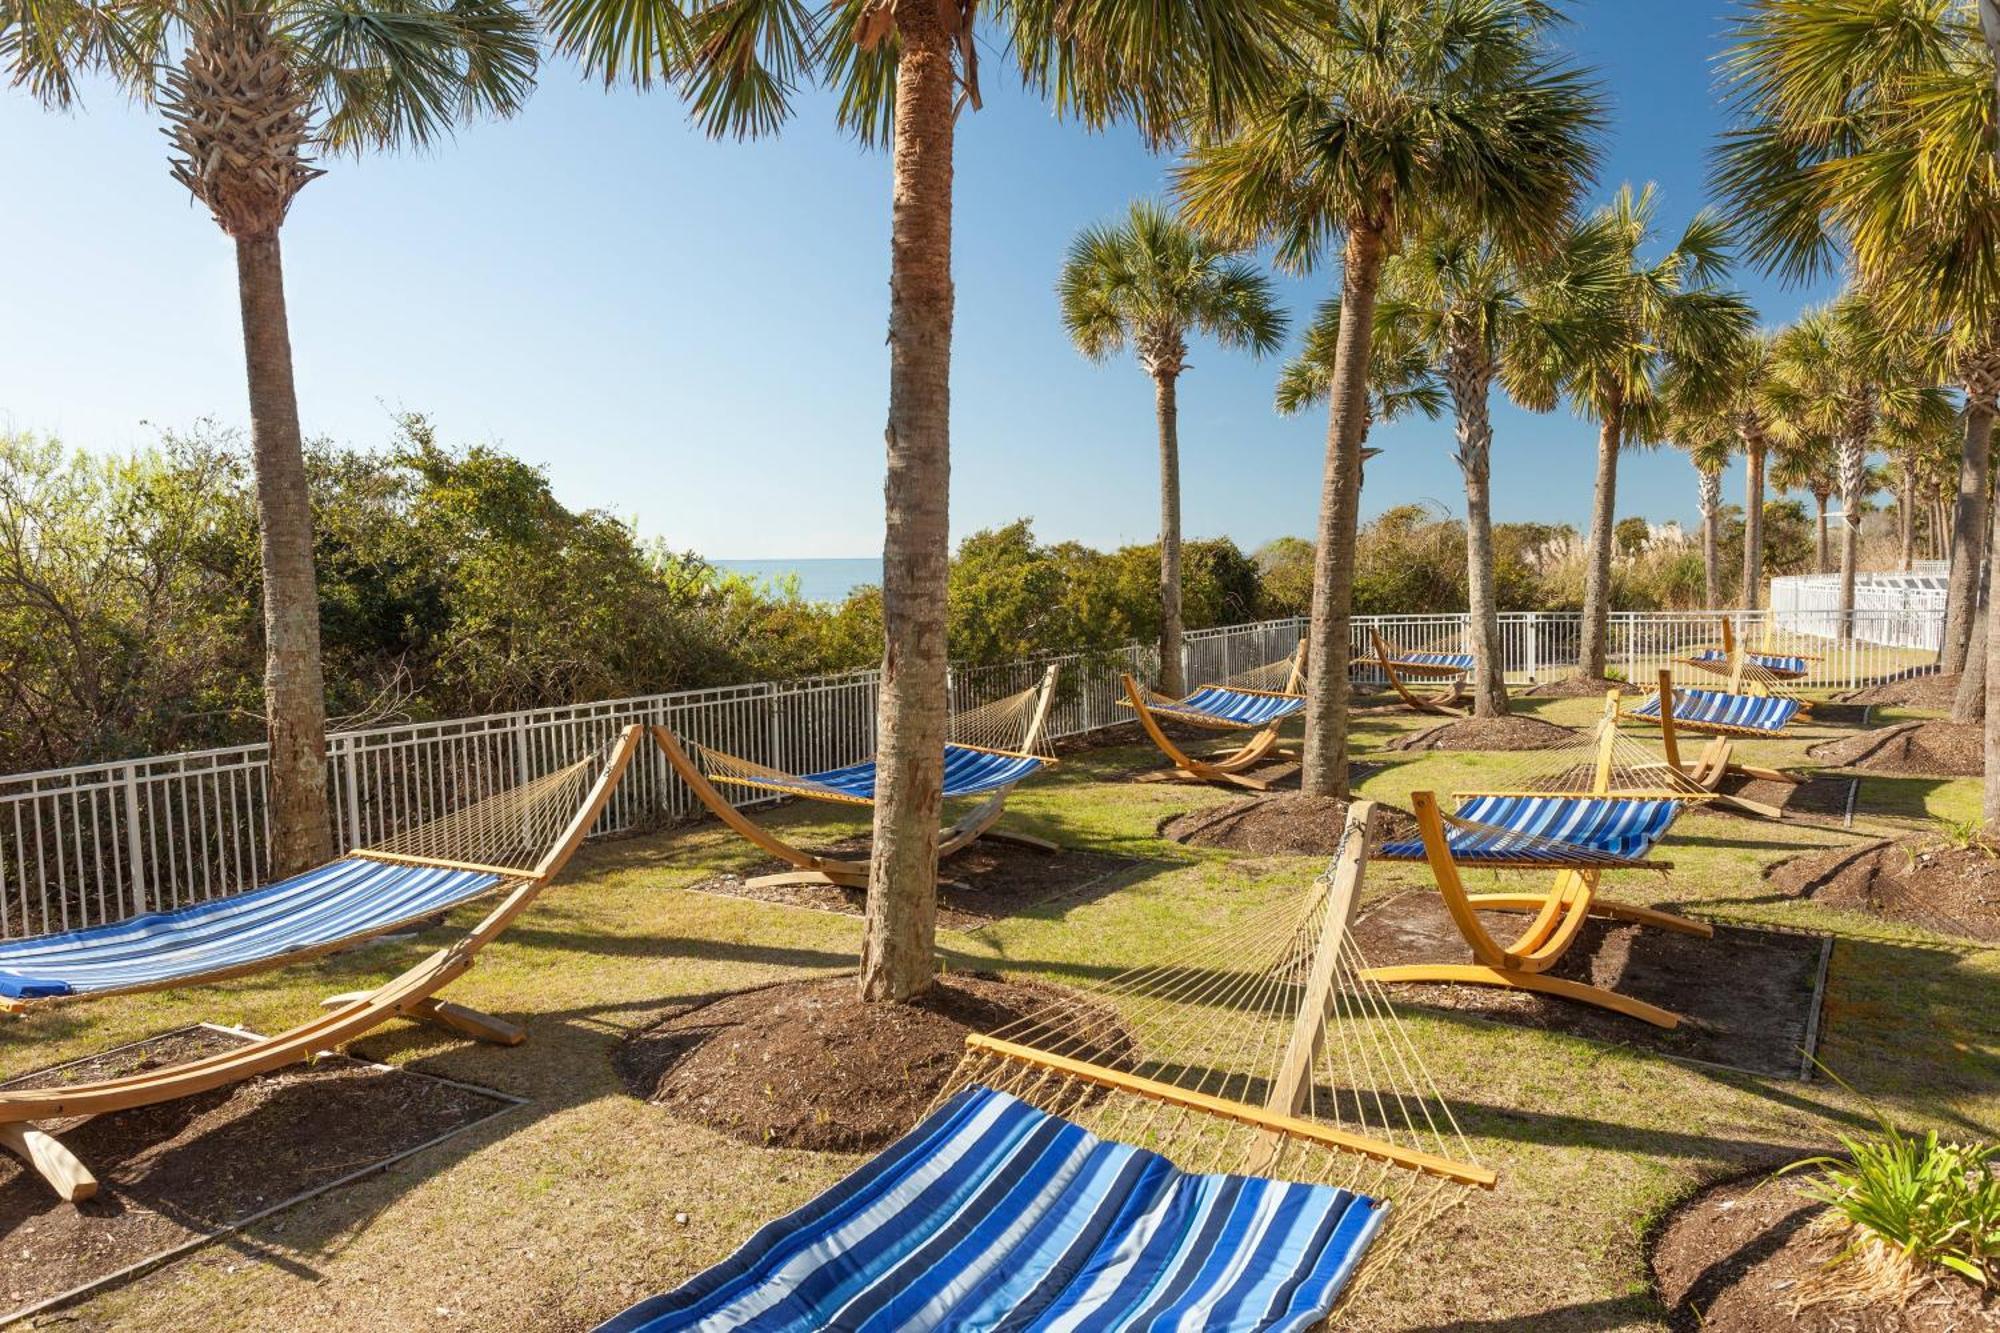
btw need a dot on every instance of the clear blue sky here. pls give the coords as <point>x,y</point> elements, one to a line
<point>690,334</point>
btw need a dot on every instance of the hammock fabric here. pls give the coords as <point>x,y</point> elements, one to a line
<point>1449,661</point>
<point>1777,665</point>
<point>993,1213</point>
<point>345,900</point>
<point>1222,707</point>
<point>1548,830</point>
<point>1759,713</point>
<point>968,771</point>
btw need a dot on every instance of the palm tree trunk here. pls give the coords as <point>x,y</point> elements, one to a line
<point>1853,458</point>
<point>1594,654</point>
<point>294,687</point>
<point>1167,411</point>
<point>1968,702</point>
<point>900,926</point>
<point>1753,523</point>
<point>1475,460</point>
<point>1821,563</point>
<point>1323,770</point>
<point>1968,531</point>
<point>1710,496</point>
<point>1906,518</point>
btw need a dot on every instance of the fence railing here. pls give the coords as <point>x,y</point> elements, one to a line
<point>100,842</point>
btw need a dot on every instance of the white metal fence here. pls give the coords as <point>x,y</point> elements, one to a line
<point>1896,610</point>
<point>96,843</point>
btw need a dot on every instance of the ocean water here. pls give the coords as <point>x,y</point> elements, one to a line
<point>820,580</point>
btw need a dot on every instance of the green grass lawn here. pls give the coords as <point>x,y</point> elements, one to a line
<point>560,1213</point>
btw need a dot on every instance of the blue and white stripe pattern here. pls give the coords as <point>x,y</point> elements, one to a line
<point>967,772</point>
<point>1782,666</point>
<point>992,1214</point>
<point>1451,661</point>
<point>1548,830</point>
<point>348,899</point>
<point>1720,708</point>
<point>1212,705</point>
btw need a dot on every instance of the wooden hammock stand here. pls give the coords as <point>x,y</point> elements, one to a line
<point>1229,769</point>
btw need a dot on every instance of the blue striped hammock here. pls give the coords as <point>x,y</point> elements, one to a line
<point>1719,710</point>
<point>307,914</point>
<point>1225,707</point>
<point>1554,831</point>
<point>968,771</point>
<point>1774,663</point>
<point>1453,662</point>
<point>993,1214</point>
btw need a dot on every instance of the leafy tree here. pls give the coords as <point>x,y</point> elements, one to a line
<point>250,91</point>
<point>1403,108</point>
<point>1150,281</point>
<point>1284,576</point>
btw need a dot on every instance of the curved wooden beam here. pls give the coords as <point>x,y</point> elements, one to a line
<point>1228,769</point>
<point>1441,704</point>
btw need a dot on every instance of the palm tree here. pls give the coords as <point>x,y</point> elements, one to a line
<point>1400,377</point>
<point>1709,449</point>
<point>1866,144</point>
<point>1403,107</point>
<point>1803,461</point>
<point>251,91</point>
<point>1150,281</point>
<point>902,74</point>
<point>1654,317</point>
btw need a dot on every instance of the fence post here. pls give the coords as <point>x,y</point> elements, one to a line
<point>351,764</point>
<point>134,844</point>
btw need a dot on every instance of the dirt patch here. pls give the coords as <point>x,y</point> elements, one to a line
<point>1928,689</point>
<point>1736,1257</point>
<point>186,1169</point>
<point>1289,825</point>
<point>986,882</point>
<point>1577,687</point>
<point>808,1065</point>
<point>1490,733</point>
<point>1936,749</point>
<point>1745,997</point>
<point>1821,799</point>
<point>1919,881</point>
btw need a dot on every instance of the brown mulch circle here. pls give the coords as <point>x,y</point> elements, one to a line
<point>1736,1258</point>
<point>1490,733</point>
<point>1925,688</point>
<point>1746,997</point>
<point>1917,880</point>
<point>986,882</point>
<point>187,1169</point>
<point>807,1064</point>
<point>1286,824</point>
<point>1577,687</point>
<point>1821,799</point>
<point>1937,749</point>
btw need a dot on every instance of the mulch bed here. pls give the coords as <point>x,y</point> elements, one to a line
<point>1917,880</point>
<point>1490,733</point>
<point>1737,1258</point>
<point>1577,687</point>
<point>1746,997</point>
<point>808,1065</point>
<point>1289,824</point>
<point>986,882</point>
<point>1925,689</point>
<point>184,1170</point>
<point>1934,749</point>
<point>1820,799</point>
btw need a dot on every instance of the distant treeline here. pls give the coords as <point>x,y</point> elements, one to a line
<point>453,582</point>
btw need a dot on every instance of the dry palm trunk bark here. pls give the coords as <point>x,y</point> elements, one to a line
<point>1906,519</point>
<point>900,928</point>
<point>1164,360</point>
<point>1755,445</point>
<point>1323,770</point>
<point>1989,25</point>
<point>1593,654</point>
<point>1468,374</point>
<point>1822,562</point>
<point>1979,375</point>
<point>1853,475</point>
<point>1708,498</point>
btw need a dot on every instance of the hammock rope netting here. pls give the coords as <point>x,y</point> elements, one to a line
<point>1170,1057</point>
<point>509,831</point>
<point>1446,655</point>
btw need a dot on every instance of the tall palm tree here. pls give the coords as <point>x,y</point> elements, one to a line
<point>1709,445</point>
<point>1480,314</point>
<point>251,92</point>
<point>1660,315</point>
<point>1404,107</point>
<point>1804,461</point>
<point>902,74</point>
<point>1865,144</point>
<point>1150,280</point>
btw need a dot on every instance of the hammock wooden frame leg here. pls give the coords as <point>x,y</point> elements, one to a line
<point>1559,917</point>
<point>410,994</point>
<point>1443,701</point>
<point>1716,761</point>
<point>1229,769</point>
